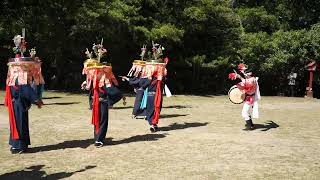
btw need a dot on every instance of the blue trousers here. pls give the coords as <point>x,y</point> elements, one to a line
<point>22,123</point>
<point>150,108</point>
<point>137,102</point>
<point>101,135</point>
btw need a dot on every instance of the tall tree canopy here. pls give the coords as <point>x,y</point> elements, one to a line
<point>205,39</point>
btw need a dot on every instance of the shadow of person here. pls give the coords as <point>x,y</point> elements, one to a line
<point>165,116</point>
<point>265,127</point>
<point>64,145</point>
<point>176,126</point>
<point>137,138</point>
<point>53,97</point>
<point>62,175</point>
<point>123,107</point>
<point>32,172</point>
<point>62,103</point>
<point>177,107</point>
<point>87,142</point>
<point>36,172</point>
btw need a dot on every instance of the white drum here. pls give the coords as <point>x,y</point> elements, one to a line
<point>236,96</point>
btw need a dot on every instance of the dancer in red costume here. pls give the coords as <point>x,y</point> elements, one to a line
<point>249,85</point>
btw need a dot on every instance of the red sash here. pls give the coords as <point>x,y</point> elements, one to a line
<point>96,110</point>
<point>12,119</point>
<point>157,104</point>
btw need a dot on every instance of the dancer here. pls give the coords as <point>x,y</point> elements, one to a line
<point>134,79</point>
<point>102,84</point>
<point>22,73</point>
<point>249,86</point>
<point>152,80</point>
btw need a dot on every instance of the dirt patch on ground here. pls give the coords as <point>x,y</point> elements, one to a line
<point>199,138</point>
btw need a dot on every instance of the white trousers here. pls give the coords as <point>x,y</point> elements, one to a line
<point>246,109</point>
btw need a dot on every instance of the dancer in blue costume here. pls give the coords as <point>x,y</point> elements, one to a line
<point>103,92</point>
<point>147,77</point>
<point>134,79</point>
<point>22,72</point>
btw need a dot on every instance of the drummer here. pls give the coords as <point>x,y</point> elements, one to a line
<point>249,85</point>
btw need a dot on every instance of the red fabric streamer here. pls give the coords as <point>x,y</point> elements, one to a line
<point>12,119</point>
<point>166,60</point>
<point>23,44</point>
<point>242,66</point>
<point>157,104</point>
<point>102,90</point>
<point>96,110</point>
<point>232,76</point>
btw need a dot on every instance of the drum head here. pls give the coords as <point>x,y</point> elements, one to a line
<point>236,96</point>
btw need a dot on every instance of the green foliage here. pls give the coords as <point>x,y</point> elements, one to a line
<point>258,19</point>
<point>205,39</point>
<point>167,31</point>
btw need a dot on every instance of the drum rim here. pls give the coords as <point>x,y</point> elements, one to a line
<point>233,87</point>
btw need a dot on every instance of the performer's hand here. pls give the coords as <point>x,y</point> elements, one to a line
<point>83,85</point>
<point>124,78</point>
<point>124,101</point>
<point>39,103</point>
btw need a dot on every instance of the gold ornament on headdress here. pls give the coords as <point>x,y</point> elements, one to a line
<point>99,52</point>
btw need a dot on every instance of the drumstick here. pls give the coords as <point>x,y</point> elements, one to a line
<point>124,77</point>
<point>237,74</point>
<point>24,33</point>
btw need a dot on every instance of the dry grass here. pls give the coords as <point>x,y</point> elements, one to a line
<point>201,138</point>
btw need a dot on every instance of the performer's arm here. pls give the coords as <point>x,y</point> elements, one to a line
<point>29,93</point>
<point>84,85</point>
<point>134,81</point>
<point>144,82</point>
<point>113,93</point>
<point>39,90</point>
<point>241,85</point>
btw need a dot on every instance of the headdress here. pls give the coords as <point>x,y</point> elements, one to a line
<point>21,69</point>
<point>155,65</point>
<point>151,63</point>
<point>98,73</point>
<point>138,65</point>
<point>244,69</point>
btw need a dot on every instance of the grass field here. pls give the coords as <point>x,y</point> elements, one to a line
<point>201,137</point>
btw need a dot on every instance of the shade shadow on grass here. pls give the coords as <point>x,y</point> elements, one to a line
<point>137,138</point>
<point>87,142</point>
<point>165,116</point>
<point>64,145</point>
<point>177,107</point>
<point>36,172</point>
<point>266,127</point>
<point>62,103</point>
<point>176,126</point>
<point>53,97</point>
<point>123,107</point>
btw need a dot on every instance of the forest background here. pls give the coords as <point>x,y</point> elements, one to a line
<point>204,39</point>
